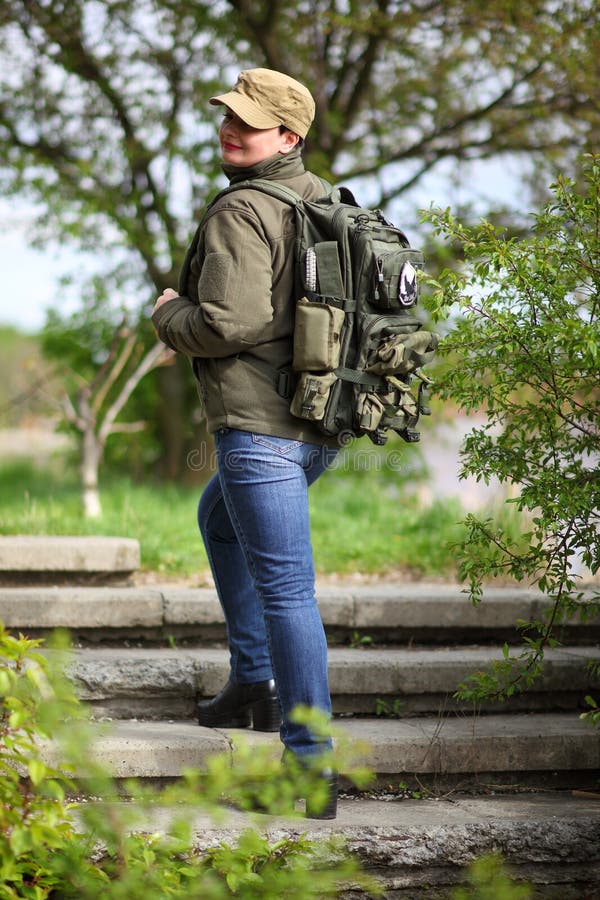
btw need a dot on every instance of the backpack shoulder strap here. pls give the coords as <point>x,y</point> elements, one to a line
<point>277,190</point>
<point>284,379</point>
<point>272,188</point>
<point>325,251</point>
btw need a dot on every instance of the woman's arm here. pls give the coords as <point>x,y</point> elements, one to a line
<point>234,291</point>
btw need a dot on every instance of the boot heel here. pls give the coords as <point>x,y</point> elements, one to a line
<point>266,714</point>
<point>327,808</point>
<point>208,719</point>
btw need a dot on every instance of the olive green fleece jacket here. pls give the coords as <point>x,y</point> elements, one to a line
<point>236,297</point>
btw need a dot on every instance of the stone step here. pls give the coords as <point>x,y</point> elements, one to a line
<point>491,750</point>
<point>421,848</point>
<point>35,559</point>
<point>389,613</point>
<point>468,771</point>
<point>124,682</point>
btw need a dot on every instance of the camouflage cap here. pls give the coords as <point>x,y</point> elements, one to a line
<point>264,98</point>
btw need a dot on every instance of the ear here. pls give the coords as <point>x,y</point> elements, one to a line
<point>289,141</point>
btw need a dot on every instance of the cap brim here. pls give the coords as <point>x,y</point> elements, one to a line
<point>248,111</point>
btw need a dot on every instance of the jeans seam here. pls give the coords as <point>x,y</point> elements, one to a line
<point>247,555</point>
<point>214,573</point>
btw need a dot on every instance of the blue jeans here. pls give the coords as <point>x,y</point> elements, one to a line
<point>253,516</point>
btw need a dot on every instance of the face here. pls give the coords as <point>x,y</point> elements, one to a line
<point>242,145</point>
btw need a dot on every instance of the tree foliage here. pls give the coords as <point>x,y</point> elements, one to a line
<point>526,351</point>
<point>108,123</point>
<point>105,126</point>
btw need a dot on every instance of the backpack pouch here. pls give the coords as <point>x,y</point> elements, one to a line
<point>311,395</point>
<point>317,333</point>
<point>394,279</point>
<point>397,410</point>
<point>369,410</point>
<point>401,354</point>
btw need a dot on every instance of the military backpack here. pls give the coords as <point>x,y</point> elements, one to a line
<point>359,349</point>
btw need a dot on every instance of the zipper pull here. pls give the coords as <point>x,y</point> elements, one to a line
<point>378,275</point>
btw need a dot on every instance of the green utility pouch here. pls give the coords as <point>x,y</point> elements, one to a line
<point>317,332</point>
<point>396,409</point>
<point>311,395</point>
<point>370,408</point>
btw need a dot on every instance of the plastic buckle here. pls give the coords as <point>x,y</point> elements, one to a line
<point>285,386</point>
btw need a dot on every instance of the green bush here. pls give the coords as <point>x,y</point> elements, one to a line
<point>53,848</point>
<point>526,351</point>
<point>35,822</point>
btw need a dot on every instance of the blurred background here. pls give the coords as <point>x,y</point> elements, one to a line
<point>108,156</point>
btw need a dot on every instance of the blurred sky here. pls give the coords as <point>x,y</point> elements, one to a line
<point>30,278</point>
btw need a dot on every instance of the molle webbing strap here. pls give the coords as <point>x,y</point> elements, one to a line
<point>284,380</point>
<point>356,376</point>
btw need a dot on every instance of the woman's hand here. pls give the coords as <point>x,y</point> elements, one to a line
<point>167,294</point>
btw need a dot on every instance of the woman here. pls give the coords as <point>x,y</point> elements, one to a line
<point>234,316</point>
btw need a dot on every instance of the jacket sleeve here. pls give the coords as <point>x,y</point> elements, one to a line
<point>234,290</point>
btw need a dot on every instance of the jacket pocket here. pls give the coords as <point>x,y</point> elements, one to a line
<point>199,370</point>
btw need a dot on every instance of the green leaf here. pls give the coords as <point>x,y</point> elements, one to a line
<point>20,840</point>
<point>37,770</point>
<point>233,882</point>
<point>6,681</point>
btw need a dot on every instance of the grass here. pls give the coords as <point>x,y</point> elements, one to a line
<point>161,516</point>
<point>364,525</point>
<point>365,517</point>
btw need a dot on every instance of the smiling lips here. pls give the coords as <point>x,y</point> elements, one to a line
<point>227,145</point>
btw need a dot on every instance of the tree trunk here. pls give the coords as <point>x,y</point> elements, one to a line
<point>173,386</point>
<point>91,454</point>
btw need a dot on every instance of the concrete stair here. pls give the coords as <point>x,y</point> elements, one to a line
<point>419,848</point>
<point>159,683</point>
<point>40,558</point>
<point>497,751</point>
<point>523,777</point>
<point>397,614</point>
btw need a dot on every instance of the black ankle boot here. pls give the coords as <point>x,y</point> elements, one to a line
<point>242,706</point>
<point>320,789</point>
<point>324,806</point>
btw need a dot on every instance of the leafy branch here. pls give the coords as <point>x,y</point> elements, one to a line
<point>525,351</point>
